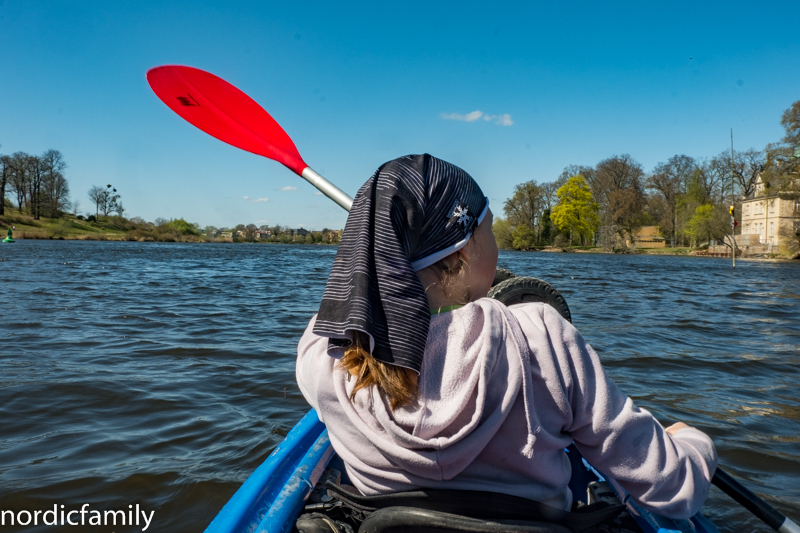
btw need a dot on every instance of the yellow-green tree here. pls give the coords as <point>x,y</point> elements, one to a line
<point>576,210</point>
<point>708,222</point>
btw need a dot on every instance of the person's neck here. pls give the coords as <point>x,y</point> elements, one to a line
<point>440,301</point>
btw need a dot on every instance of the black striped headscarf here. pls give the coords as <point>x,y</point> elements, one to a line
<point>411,213</point>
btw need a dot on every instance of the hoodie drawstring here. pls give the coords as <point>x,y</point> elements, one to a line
<point>531,417</point>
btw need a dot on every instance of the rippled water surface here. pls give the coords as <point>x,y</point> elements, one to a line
<point>163,374</point>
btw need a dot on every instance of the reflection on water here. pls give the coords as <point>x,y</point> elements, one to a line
<point>163,374</point>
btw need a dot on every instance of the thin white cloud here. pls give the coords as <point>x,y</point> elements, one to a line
<point>469,117</point>
<point>288,188</point>
<point>255,200</point>
<point>501,120</point>
<point>318,193</point>
<point>504,120</point>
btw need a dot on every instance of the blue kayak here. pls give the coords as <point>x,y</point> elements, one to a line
<point>275,494</point>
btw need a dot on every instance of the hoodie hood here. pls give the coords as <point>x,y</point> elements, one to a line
<point>457,413</point>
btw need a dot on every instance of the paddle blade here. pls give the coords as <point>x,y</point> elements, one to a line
<point>223,111</point>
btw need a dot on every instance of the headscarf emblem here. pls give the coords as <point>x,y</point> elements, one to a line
<point>460,214</point>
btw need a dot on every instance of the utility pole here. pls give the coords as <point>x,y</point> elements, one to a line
<point>733,206</point>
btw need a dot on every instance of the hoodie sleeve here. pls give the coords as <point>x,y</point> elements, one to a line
<point>669,475</point>
<point>312,355</point>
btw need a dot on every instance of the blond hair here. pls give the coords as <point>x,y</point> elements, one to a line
<point>397,384</point>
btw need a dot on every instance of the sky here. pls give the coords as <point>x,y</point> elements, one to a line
<point>509,91</point>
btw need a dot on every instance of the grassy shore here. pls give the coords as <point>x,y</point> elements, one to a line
<point>685,251</point>
<point>67,227</point>
<point>626,251</point>
<point>70,227</point>
<point>117,228</point>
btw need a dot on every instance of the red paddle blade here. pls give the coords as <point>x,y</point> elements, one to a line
<point>223,111</point>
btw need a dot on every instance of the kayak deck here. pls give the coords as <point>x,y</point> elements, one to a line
<point>270,500</point>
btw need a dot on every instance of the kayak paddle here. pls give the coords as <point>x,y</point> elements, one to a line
<point>771,516</point>
<point>223,111</point>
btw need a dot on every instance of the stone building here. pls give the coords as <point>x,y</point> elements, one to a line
<point>770,219</point>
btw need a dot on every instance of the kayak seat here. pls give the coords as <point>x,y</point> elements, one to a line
<point>461,510</point>
<point>414,520</point>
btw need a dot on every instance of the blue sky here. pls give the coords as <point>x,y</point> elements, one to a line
<point>358,83</point>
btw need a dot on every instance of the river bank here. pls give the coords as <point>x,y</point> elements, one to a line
<point>116,228</point>
<point>685,252</point>
<point>70,227</point>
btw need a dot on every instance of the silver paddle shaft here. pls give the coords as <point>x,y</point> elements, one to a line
<point>327,188</point>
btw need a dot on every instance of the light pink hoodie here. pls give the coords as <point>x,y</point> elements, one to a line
<point>472,428</point>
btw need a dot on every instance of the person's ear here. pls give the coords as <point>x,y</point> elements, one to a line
<point>468,251</point>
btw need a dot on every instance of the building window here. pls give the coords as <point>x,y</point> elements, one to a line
<point>772,206</point>
<point>746,209</point>
<point>771,229</point>
<point>797,206</point>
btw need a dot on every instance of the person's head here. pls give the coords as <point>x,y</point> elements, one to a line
<point>466,275</point>
<point>418,234</point>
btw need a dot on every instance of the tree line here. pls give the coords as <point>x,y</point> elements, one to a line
<point>274,234</point>
<point>41,190</point>
<point>688,198</point>
<point>36,181</point>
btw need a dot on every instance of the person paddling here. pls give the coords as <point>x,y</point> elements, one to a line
<point>423,381</point>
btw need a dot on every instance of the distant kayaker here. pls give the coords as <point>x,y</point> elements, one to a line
<point>422,381</point>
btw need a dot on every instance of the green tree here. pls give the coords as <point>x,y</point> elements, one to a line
<point>576,210</point>
<point>183,227</point>
<point>502,233</point>
<point>523,238</point>
<point>708,222</point>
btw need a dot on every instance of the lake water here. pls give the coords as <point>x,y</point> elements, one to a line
<point>163,374</point>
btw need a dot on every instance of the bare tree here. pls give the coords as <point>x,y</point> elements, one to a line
<point>575,170</point>
<point>707,182</point>
<point>626,207</point>
<point>782,168</point>
<point>35,180</point>
<point>670,181</point>
<point>746,168</point>
<point>19,178</point>
<point>97,196</point>
<point>56,188</point>
<point>106,200</point>
<point>525,205</point>
<point>5,177</point>
<point>616,173</point>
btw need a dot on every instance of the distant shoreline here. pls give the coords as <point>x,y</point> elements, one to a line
<point>672,252</point>
<point>116,228</point>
